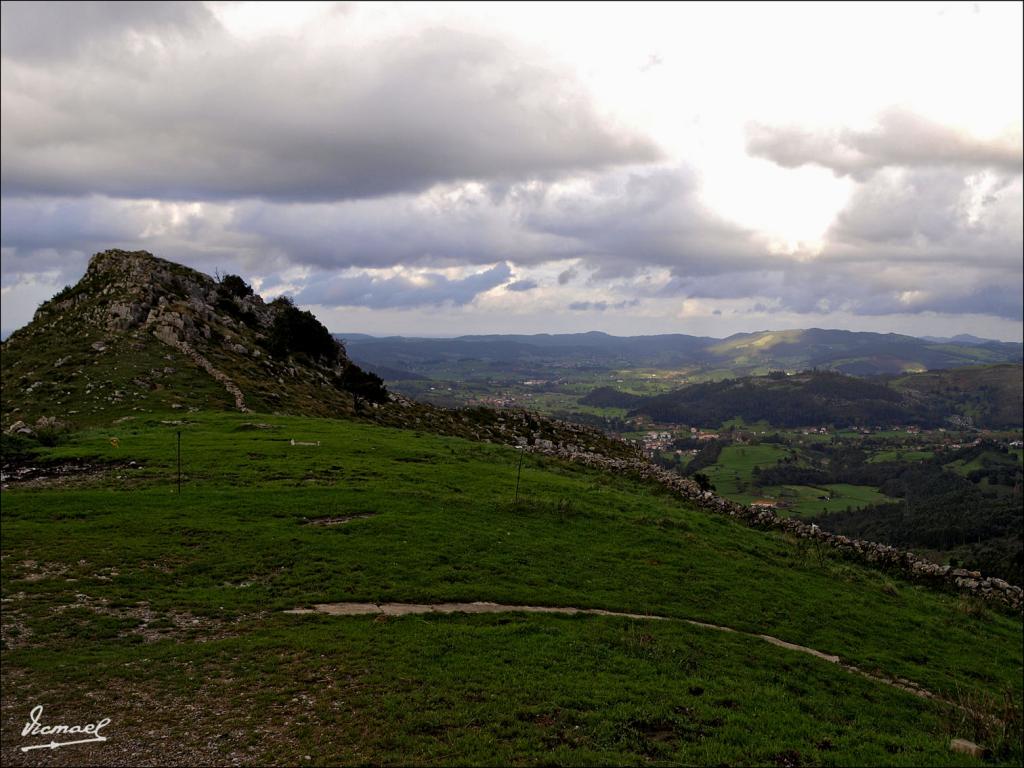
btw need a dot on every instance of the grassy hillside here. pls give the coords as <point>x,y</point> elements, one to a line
<point>164,612</point>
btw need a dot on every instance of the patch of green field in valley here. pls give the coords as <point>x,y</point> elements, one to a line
<point>985,460</point>
<point>807,501</point>
<point>900,455</point>
<point>163,611</point>
<point>739,423</point>
<point>732,474</point>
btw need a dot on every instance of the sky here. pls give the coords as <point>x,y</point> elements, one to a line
<point>436,169</point>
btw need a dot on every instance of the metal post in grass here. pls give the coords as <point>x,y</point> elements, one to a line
<point>519,473</point>
<point>179,462</point>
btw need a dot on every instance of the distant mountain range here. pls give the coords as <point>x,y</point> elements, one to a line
<point>856,353</point>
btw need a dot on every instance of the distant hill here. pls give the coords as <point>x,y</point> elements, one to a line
<point>990,396</point>
<point>609,397</point>
<point>787,401</point>
<point>138,333</point>
<point>960,338</point>
<point>856,353</point>
<point>741,354</point>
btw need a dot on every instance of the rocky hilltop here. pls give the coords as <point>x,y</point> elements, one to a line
<point>138,334</point>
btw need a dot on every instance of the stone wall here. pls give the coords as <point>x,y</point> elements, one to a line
<point>907,564</point>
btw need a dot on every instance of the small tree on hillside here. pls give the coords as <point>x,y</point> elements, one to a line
<point>364,385</point>
<point>703,481</point>
<point>235,286</point>
<point>296,331</point>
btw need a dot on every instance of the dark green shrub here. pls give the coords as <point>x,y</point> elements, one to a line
<point>17,447</point>
<point>233,285</point>
<point>703,481</point>
<point>295,331</point>
<point>64,293</point>
<point>363,384</point>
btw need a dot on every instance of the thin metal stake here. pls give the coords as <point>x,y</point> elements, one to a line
<point>179,462</point>
<point>519,473</point>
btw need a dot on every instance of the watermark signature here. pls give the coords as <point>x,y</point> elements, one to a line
<point>34,727</point>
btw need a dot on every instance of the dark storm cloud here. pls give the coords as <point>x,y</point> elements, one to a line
<point>728,285</point>
<point>602,306</point>
<point>521,286</point>
<point>401,291</point>
<point>933,215</point>
<point>567,276</point>
<point>60,234</point>
<point>386,232</point>
<point>900,138</point>
<point>908,242</point>
<point>203,116</point>
<point>617,223</point>
<point>998,298</point>
<point>66,223</point>
<point>627,221</point>
<point>867,287</point>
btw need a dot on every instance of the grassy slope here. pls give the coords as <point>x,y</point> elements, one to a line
<point>215,565</point>
<point>94,387</point>
<point>984,460</point>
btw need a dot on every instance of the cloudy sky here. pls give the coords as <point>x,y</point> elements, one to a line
<point>436,169</point>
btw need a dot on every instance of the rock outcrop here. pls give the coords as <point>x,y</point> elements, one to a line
<point>103,345</point>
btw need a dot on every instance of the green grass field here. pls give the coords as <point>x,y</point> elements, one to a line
<point>986,459</point>
<point>123,599</point>
<point>732,473</point>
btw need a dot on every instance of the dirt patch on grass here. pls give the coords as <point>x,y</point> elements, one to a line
<point>338,519</point>
<point>22,626</point>
<point>61,474</point>
<point>408,609</point>
<point>148,727</point>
